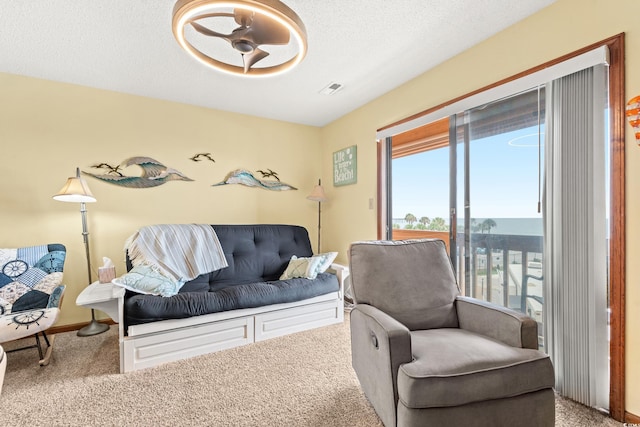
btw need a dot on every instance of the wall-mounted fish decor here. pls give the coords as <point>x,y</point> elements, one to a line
<point>202,156</point>
<point>244,177</point>
<point>154,173</point>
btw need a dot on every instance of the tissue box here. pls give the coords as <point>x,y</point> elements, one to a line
<point>106,274</point>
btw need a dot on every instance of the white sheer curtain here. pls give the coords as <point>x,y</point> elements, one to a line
<point>575,235</point>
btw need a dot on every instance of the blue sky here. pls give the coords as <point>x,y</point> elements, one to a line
<point>504,179</point>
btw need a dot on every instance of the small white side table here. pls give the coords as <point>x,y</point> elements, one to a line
<point>105,297</point>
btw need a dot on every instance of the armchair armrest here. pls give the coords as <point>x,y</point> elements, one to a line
<point>509,326</point>
<point>379,346</point>
<point>342,272</point>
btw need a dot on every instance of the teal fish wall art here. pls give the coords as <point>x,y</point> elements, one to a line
<point>154,173</point>
<point>246,178</point>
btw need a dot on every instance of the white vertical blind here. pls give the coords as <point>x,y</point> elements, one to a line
<point>575,236</point>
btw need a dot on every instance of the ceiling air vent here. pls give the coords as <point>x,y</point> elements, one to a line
<point>331,89</point>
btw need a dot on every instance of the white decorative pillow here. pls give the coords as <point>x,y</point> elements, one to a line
<point>325,261</point>
<point>146,280</point>
<point>301,267</point>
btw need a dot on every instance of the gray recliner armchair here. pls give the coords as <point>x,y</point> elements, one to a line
<point>426,356</point>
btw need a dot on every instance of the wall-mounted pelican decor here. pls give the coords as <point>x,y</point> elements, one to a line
<point>154,173</point>
<point>244,177</point>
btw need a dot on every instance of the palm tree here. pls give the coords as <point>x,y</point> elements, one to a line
<point>424,220</point>
<point>438,224</point>
<point>475,227</point>
<point>488,224</point>
<point>410,218</point>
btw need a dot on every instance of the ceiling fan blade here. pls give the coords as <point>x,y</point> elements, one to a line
<point>243,17</point>
<point>207,32</point>
<point>237,34</point>
<point>250,59</point>
<point>264,30</point>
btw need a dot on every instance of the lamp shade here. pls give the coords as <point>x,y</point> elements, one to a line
<point>317,195</point>
<point>75,190</point>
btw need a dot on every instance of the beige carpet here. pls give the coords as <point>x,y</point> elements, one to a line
<point>303,379</point>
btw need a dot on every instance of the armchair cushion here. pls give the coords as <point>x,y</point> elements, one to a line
<point>22,324</point>
<point>428,289</point>
<point>454,367</point>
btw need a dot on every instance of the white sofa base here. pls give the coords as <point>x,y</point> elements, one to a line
<point>151,344</point>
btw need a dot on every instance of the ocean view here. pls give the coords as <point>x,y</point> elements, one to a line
<point>512,226</point>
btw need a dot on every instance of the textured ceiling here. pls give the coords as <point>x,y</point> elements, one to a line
<point>368,46</point>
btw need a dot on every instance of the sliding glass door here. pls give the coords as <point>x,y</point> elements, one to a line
<point>498,149</point>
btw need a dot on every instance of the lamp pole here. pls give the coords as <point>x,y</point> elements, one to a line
<point>319,220</point>
<point>85,237</point>
<point>318,195</point>
<point>94,327</point>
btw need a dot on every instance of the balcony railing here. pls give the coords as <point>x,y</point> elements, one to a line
<point>403,234</point>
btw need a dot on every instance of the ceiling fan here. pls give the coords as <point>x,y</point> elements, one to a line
<point>260,24</point>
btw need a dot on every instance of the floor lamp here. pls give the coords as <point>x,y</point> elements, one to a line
<point>76,190</point>
<point>317,195</point>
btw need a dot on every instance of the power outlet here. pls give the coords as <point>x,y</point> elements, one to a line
<point>371,203</point>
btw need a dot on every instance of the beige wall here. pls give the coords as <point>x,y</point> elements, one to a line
<point>566,26</point>
<point>47,129</point>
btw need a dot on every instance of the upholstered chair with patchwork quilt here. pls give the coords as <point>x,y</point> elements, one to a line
<point>31,292</point>
<point>427,356</point>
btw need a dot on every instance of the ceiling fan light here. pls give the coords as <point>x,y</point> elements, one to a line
<point>243,46</point>
<point>186,11</point>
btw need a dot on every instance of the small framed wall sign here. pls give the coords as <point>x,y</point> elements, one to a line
<point>345,166</point>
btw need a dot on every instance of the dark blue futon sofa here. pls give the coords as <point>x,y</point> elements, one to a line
<point>243,303</point>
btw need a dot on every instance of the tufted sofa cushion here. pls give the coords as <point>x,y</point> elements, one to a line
<point>257,253</point>
<point>257,256</point>
<point>149,308</point>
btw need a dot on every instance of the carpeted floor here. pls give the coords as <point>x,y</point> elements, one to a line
<point>303,379</point>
